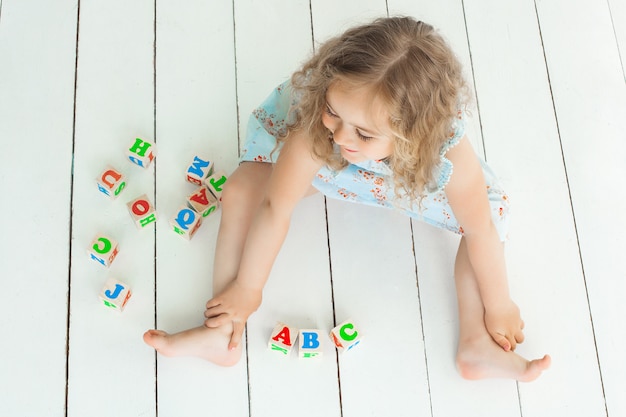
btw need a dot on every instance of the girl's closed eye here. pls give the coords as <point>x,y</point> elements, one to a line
<point>363,137</point>
<point>330,112</point>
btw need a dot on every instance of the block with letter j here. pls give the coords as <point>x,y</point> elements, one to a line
<point>115,294</point>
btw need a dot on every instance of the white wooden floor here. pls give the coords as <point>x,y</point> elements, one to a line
<point>79,80</point>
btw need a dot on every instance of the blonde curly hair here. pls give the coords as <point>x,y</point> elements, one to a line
<point>409,67</point>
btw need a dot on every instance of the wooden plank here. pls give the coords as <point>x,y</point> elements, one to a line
<point>196,115</point>
<point>368,244</point>
<point>110,368</point>
<point>37,58</point>
<point>618,18</point>
<point>515,91</point>
<point>298,291</point>
<point>590,100</point>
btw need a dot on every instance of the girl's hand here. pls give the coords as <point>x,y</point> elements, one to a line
<point>505,325</point>
<point>234,304</point>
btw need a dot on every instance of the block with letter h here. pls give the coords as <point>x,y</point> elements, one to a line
<point>345,336</point>
<point>186,222</point>
<point>103,250</point>
<point>199,170</point>
<point>142,211</point>
<point>202,201</point>
<point>310,345</point>
<point>141,153</point>
<point>115,294</point>
<point>111,182</point>
<point>283,338</point>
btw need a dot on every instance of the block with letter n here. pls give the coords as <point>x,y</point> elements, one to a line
<point>111,182</point>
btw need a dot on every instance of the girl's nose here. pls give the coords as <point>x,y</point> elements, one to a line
<point>340,137</point>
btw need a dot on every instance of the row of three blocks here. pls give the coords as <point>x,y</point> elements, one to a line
<point>344,337</point>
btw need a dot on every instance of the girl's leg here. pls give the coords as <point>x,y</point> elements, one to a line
<point>242,195</point>
<point>478,356</point>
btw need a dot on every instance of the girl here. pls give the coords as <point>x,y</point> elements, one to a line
<point>375,116</point>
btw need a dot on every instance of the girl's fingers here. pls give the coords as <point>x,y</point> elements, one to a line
<point>235,339</point>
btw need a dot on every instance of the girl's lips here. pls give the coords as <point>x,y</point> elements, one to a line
<point>349,150</point>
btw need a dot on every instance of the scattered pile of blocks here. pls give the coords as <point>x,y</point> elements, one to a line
<point>283,338</point>
<point>188,218</point>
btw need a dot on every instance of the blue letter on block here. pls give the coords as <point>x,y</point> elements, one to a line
<point>310,341</point>
<point>113,295</point>
<point>197,166</point>
<point>185,218</point>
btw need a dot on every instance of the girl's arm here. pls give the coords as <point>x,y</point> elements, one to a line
<point>467,195</point>
<point>289,182</point>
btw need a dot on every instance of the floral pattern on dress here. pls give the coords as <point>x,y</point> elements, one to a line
<point>371,182</point>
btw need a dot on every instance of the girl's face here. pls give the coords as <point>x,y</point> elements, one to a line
<point>359,125</point>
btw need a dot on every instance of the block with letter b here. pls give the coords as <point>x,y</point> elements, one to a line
<point>115,294</point>
<point>199,170</point>
<point>345,336</point>
<point>142,211</point>
<point>141,152</point>
<point>215,183</point>
<point>111,182</point>
<point>186,222</point>
<point>202,201</point>
<point>283,338</point>
<point>310,344</point>
<point>103,250</point>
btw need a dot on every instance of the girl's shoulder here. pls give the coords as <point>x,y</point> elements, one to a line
<point>445,166</point>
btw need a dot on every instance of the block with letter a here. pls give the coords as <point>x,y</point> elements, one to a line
<point>283,338</point>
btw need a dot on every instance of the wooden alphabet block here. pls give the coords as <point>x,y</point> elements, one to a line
<point>283,338</point>
<point>103,250</point>
<point>141,152</point>
<point>115,294</point>
<point>186,222</point>
<point>310,344</point>
<point>111,182</point>
<point>202,201</point>
<point>142,211</point>
<point>345,336</point>
<point>215,183</point>
<point>199,170</point>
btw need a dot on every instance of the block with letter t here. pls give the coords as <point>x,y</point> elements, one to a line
<point>141,152</point>
<point>346,336</point>
<point>283,338</point>
<point>111,182</point>
<point>215,183</point>
<point>199,170</point>
<point>186,222</point>
<point>142,211</point>
<point>115,294</point>
<point>103,249</point>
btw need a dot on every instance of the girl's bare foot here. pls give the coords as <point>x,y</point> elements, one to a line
<point>483,358</point>
<point>202,342</point>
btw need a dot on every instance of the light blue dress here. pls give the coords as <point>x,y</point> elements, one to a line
<point>371,182</point>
